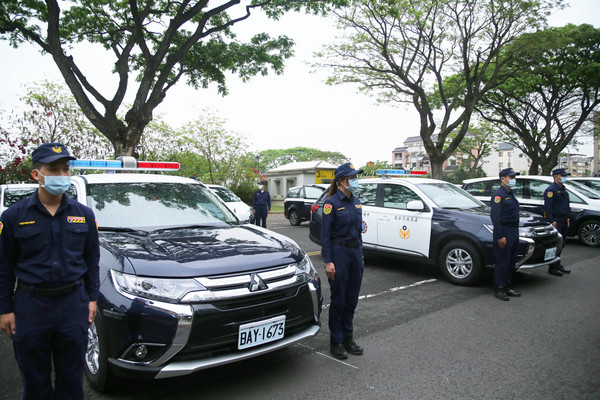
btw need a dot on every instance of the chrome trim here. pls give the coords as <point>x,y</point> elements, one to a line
<point>530,249</point>
<point>542,264</point>
<point>180,368</point>
<point>315,300</point>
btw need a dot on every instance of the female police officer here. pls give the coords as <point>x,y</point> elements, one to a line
<point>342,252</point>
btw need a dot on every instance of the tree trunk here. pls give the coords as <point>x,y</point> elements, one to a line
<point>437,167</point>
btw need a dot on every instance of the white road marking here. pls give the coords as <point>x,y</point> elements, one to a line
<point>394,289</point>
<point>327,356</point>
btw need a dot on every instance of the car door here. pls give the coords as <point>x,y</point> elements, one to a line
<point>367,194</point>
<point>400,230</point>
<point>311,194</point>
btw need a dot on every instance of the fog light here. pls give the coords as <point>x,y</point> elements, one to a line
<point>140,351</point>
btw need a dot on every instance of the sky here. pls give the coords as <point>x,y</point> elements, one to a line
<point>272,112</point>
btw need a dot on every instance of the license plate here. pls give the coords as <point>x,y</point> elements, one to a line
<point>550,254</point>
<point>257,333</point>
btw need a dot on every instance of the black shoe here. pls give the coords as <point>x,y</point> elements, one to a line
<point>351,346</point>
<point>512,292</point>
<point>499,293</point>
<point>338,351</point>
<point>555,272</point>
<point>564,270</point>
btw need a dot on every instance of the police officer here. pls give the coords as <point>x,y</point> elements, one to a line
<point>49,246</point>
<point>556,211</point>
<point>341,242</point>
<point>505,217</point>
<point>261,204</point>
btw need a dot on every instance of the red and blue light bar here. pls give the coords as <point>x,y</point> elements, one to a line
<point>125,164</point>
<point>396,172</point>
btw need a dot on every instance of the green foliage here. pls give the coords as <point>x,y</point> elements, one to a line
<point>154,43</point>
<point>463,172</point>
<point>554,87</point>
<point>372,166</point>
<point>277,157</point>
<point>15,165</point>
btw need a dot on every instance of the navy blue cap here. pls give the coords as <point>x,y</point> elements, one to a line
<point>560,171</point>
<point>508,172</point>
<point>346,169</point>
<point>50,152</point>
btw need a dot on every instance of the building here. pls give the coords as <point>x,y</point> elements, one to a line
<point>280,179</point>
<point>414,156</point>
<point>505,155</point>
<point>577,164</point>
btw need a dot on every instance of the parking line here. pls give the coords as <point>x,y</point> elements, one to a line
<point>329,357</point>
<point>394,289</point>
<point>313,253</point>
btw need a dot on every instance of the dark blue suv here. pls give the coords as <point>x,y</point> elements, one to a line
<point>299,199</point>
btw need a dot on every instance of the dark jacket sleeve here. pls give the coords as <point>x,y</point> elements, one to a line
<point>8,260</point>
<point>548,203</point>
<point>268,198</point>
<point>326,230</point>
<point>91,256</point>
<point>495,214</point>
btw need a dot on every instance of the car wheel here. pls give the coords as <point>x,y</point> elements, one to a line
<point>460,263</point>
<point>589,233</point>
<point>294,218</point>
<point>96,359</point>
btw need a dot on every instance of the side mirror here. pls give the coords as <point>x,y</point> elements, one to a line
<point>415,205</point>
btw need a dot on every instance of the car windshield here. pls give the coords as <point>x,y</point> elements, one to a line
<point>154,205</point>
<point>225,194</point>
<point>447,195</point>
<point>587,191</point>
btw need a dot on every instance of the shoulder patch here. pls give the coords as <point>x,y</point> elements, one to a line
<point>550,194</point>
<point>327,209</point>
<point>497,199</point>
<point>1,226</point>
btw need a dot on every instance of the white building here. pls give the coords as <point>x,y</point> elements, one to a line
<point>280,179</point>
<point>505,155</point>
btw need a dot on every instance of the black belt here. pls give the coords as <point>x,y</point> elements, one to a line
<point>49,292</point>
<point>352,245</point>
<point>511,225</point>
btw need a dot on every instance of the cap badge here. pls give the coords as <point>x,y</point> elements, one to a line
<point>57,149</point>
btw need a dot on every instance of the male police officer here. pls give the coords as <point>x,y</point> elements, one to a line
<point>505,217</point>
<point>556,211</point>
<point>49,245</point>
<point>261,204</point>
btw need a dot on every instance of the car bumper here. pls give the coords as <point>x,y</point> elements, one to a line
<point>182,339</point>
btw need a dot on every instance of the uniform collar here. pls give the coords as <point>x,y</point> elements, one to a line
<point>34,200</point>
<point>341,195</point>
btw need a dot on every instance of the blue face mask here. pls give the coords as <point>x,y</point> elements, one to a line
<point>563,179</point>
<point>56,185</point>
<point>512,183</point>
<point>353,185</point>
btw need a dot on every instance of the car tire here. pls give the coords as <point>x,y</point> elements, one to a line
<point>460,263</point>
<point>589,233</point>
<point>294,218</point>
<point>96,359</point>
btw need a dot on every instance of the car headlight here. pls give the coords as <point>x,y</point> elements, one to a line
<point>305,268</point>
<point>170,290</point>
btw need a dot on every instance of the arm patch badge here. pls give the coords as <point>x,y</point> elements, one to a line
<point>327,209</point>
<point>550,194</point>
<point>497,199</point>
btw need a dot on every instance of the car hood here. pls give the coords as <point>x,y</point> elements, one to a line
<point>192,252</point>
<point>525,218</point>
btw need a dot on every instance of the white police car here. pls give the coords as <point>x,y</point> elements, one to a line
<point>184,285</point>
<point>242,210</point>
<point>437,221</point>
<point>529,190</point>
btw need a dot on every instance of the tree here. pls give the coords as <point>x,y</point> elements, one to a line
<point>476,145</point>
<point>52,115</point>
<point>371,167</point>
<point>14,165</point>
<point>157,41</point>
<point>402,51</point>
<point>552,92</point>
<point>277,157</point>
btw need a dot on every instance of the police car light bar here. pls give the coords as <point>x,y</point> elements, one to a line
<point>394,172</point>
<point>125,164</point>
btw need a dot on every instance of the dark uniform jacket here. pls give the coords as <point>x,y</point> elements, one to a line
<point>505,211</point>
<point>342,223</point>
<point>40,249</point>
<point>261,198</point>
<point>556,202</point>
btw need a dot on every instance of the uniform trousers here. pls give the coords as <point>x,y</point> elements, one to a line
<point>51,330</point>
<point>345,287</point>
<point>506,258</point>
<point>562,226</point>
<point>261,212</point>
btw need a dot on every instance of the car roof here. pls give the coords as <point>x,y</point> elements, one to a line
<point>134,178</point>
<point>584,178</point>
<point>414,180</point>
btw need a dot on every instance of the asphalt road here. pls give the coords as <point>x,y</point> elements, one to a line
<point>424,339</point>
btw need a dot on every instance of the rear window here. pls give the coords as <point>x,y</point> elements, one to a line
<point>294,193</point>
<point>313,192</point>
<point>483,188</point>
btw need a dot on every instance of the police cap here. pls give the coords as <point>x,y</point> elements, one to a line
<point>508,172</point>
<point>47,153</point>
<point>346,169</point>
<point>560,171</point>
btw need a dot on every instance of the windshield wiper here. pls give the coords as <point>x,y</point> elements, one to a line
<point>176,227</point>
<point>122,229</point>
